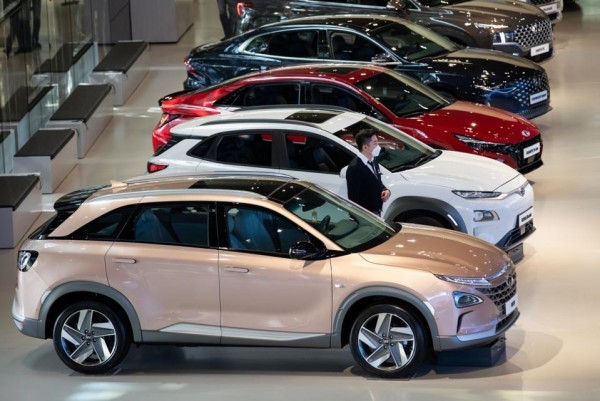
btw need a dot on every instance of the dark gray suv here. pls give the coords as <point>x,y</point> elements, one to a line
<point>512,27</point>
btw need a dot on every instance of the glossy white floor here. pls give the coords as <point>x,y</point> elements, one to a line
<point>553,351</point>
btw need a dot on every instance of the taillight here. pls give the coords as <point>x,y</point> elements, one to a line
<point>167,118</point>
<point>154,167</point>
<point>241,7</point>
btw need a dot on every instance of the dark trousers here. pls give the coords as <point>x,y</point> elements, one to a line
<point>228,16</point>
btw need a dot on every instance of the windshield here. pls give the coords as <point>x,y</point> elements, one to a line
<point>413,42</point>
<point>403,96</point>
<point>345,223</point>
<point>398,150</point>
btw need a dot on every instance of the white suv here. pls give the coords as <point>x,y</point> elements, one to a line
<point>468,193</point>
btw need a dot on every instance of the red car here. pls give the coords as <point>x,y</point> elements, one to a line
<point>376,91</point>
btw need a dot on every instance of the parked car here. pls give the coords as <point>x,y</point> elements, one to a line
<point>372,90</point>
<point>454,190</point>
<point>480,76</point>
<point>513,27</point>
<point>242,260</point>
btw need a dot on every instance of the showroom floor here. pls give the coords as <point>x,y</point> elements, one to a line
<point>552,352</point>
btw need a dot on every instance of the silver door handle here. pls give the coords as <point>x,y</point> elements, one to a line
<point>236,269</point>
<point>128,261</point>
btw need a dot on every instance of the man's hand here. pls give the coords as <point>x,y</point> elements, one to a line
<point>385,195</point>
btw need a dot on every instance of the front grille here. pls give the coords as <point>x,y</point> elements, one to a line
<point>527,86</point>
<point>502,293</point>
<point>538,33</point>
<point>516,152</point>
<point>502,323</point>
<point>542,2</point>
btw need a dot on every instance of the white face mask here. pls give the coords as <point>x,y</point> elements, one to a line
<point>376,151</point>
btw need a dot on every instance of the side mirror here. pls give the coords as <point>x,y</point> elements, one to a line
<point>303,250</point>
<point>343,173</point>
<point>381,58</point>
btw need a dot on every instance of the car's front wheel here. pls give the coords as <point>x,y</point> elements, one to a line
<point>388,341</point>
<point>90,338</point>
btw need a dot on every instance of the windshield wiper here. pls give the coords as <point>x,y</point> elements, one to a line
<point>421,160</point>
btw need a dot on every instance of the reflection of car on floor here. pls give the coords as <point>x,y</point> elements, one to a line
<point>242,260</point>
<point>480,76</point>
<point>509,26</point>
<point>448,189</point>
<point>375,91</point>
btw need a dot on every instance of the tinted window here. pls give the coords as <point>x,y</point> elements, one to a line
<point>252,149</point>
<point>405,98</point>
<point>298,43</point>
<point>106,227</point>
<point>261,95</point>
<point>348,46</point>
<point>332,95</point>
<point>413,42</point>
<point>179,223</point>
<point>315,154</point>
<point>260,230</point>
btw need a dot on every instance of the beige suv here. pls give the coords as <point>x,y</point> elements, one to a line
<point>253,260</point>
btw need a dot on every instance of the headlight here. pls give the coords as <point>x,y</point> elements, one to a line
<point>463,299</point>
<point>26,259</point>
<point>464,280</point>
<point>477,194</point>
<point>482,145</point>
<point>490,26</point>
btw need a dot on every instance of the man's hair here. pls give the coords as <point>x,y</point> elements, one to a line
<point>363,137</point>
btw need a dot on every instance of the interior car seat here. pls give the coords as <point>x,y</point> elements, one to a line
<point>250,233</point>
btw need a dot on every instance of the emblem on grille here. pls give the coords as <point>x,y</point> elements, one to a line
<point>534,28</point>
<point>510,281</point>
<point>526,133</point>
<point>522,191</point>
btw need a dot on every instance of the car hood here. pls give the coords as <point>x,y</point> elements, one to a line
<point>439,251</point>
<point>498,13</point>
<point>477,121</point>
<point>463,171</point>
<point>472,61</point>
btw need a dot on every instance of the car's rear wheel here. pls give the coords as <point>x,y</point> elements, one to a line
<point>90,338</point>
<point>388,341</point>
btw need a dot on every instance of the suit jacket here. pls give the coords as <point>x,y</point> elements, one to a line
<point>364,187</point>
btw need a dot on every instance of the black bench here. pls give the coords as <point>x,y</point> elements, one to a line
<point>124,67</point>
<point>27,110</point>
<point>87,110</point>
<point>20,206</point>
<point>51,153</point>
<point>70,66</point>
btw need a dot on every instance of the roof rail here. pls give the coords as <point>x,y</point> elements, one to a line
<point>164,176</point>
<point>303,107</point>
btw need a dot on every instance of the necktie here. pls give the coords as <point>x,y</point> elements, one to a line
<point>372,165</point>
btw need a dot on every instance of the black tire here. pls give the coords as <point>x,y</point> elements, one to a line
<point>426,220</point>
<point>90,338</point>
<point>392,334</point>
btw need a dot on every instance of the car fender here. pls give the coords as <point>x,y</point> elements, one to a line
<point>437,206</point>
<point>403,295</point>
<point>93,288</point>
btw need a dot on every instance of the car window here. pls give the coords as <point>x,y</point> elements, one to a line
<point>176,223</point>
<point>347,224</point>
<point>301,43</point>
<point>106,227</point>
<point>263,95</point>
<point>260,230</point>
<point>333,95</point>
<point>398,150</point>
<point>350,46</point>
<point>403,97</point>
<point>252,149</point>
<point>309,153</point>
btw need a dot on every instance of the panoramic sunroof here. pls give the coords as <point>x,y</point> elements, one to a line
<point>315,117</point>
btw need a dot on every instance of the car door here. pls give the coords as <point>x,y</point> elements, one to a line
<point>266,296</point>
<point>165,262</point>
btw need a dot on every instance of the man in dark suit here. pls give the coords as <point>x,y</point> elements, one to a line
<point>363,177</point>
